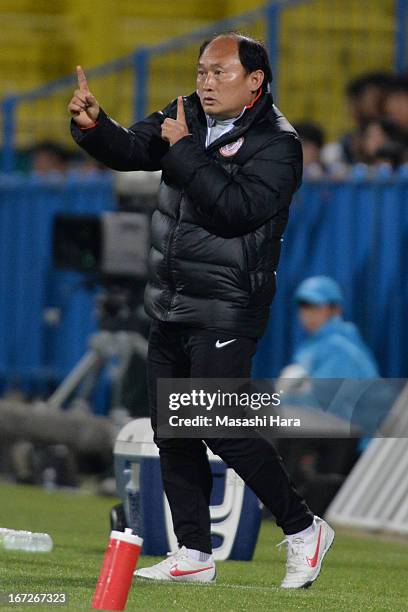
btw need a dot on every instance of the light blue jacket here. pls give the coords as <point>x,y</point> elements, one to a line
<point>336,350</point>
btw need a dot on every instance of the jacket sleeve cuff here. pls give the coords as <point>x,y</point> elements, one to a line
<point>183,159</point>
<point>80,134</point>
<point>89,127</point>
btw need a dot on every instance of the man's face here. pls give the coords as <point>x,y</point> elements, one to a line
<point>373,139</point>
<point>45,162</point>
<point>367,105</point>
<point>223,85</point>
<point>396,108</point>
<point>311,153</point>
<point>313,316</point>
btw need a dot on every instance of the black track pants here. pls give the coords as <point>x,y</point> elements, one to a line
<point>179,352</point>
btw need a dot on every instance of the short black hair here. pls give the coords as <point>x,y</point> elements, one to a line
<point>253,54</point>
<point>51,148</point>
<point>311,132</point>
<point>399,84</point>
<point>381,80</point>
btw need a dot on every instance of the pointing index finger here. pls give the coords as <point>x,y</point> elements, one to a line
<point>180,110</point>
<point>82,82</point>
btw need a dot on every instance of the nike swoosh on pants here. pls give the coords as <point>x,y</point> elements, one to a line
<point>219,344</point>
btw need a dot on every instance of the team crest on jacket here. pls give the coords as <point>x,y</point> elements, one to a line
<point>231,148</point>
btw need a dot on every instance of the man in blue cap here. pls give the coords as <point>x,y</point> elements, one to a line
<point>334,348</point>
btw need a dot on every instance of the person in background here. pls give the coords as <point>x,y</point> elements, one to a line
<point>86,166</point>
<point>382,141</point>
<point>366,96</point>
<point>49,159</point>
<point>396,102</point>
<point>333,349</point>
<point>390,157</point>
<point>376,134</point>
<point>312,137</point>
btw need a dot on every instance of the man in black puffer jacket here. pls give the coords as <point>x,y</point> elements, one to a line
<point>230,165</point>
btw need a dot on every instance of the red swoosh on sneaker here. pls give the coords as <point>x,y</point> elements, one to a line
<point>176,572</point>
<point>312,561</point>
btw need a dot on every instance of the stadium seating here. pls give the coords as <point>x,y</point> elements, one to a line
<point>321,46</point>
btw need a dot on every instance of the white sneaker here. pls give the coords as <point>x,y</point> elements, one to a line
<point>305,555</point>
<point>179,567</point>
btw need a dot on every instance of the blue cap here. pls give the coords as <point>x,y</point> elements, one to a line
<point>319,290</point>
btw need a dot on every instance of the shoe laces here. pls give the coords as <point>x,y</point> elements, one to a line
<point>295,553</point>
<point>176,555</point>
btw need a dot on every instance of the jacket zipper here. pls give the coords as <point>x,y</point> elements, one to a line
<point>246,263</point>
<point>169,247</point>
<point>230,136</point>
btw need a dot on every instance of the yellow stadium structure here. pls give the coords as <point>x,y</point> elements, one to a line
<point>322,45</point>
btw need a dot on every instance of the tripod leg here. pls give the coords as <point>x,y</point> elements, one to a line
<point>130,343</point>
<point>88,362</point>
<point>117,381</point>
<point>90,380</point>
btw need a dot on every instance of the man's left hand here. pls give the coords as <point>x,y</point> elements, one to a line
<point>174,130</point>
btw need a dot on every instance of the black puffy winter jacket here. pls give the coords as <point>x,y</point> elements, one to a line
<point>217,230</point>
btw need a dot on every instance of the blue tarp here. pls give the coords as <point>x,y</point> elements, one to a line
<point>355,231</point>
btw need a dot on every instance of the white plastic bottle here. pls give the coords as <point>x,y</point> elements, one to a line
<point>132,501</point>
<point>25,540</point>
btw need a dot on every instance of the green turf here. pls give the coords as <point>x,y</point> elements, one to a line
<point>360,572</point>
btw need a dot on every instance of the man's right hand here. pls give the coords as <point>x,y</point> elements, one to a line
<point>83,106</point>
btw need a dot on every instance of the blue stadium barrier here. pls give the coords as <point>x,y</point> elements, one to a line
<point>34,354</point>
<point>355,231</point>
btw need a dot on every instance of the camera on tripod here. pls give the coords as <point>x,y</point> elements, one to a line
<point>114,244</point>
<point>111,250</point>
